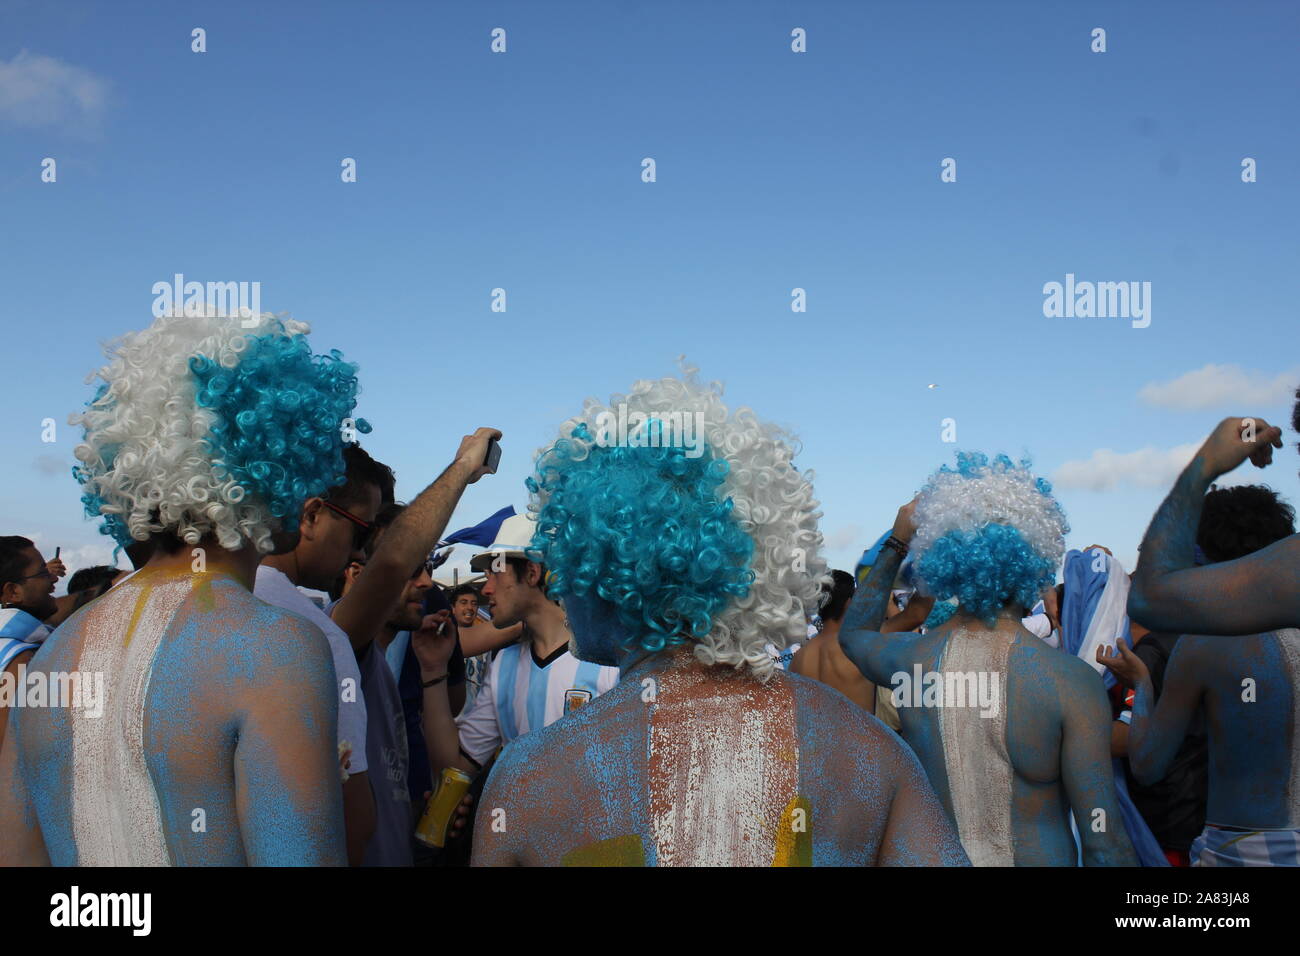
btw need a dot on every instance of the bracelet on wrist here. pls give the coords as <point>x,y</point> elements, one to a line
<point>895,544</point>
<point>433,681</point>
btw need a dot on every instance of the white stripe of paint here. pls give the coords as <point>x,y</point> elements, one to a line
<point>115,816</point>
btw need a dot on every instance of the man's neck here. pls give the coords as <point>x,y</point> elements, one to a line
<point>386,635</point>
<point>830,629</point>
<point>547,624</point>
<point>240,565</point>
<point>286,564</point>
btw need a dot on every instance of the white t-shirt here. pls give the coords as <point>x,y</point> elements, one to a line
<point>520,696</point>
<point>274,587</point>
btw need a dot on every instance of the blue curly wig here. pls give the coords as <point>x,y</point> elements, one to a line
<point>204,427</point>
<point>988,533</point>
<point>644,529</point>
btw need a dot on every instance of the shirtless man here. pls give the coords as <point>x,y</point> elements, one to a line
<point>1012,733</point>
<point>217,740</point>
<point>675,561</point>
<point>1247,683</point>
<point>824,660</point>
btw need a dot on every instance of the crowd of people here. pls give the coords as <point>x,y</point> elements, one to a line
<point>656,667</point>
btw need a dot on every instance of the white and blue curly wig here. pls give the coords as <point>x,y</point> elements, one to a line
<point>716,546</point>
<point>987,533</point>
<point>201,426</point>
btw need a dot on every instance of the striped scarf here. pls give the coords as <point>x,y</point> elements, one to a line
<point>19,632</point>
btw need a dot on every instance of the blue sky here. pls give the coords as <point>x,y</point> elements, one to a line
<point>775,170</point>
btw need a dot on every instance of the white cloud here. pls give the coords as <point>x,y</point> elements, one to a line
<point>1106,469</point>
<point>1217,386</point>
<point>37,90</point>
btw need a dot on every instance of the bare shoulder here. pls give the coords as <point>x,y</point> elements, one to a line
<point>821,710</point>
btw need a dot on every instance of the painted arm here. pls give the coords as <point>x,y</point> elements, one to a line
<point>23,844</point>
<point>1159,727</point>
<point>1260,592</point>
<point>919,832</point>
<point>1086,771</point>
<point>860,637</point>
<point>287,793</point>
<point>415,532</point>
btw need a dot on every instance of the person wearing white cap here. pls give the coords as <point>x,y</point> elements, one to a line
<point>531,683</point>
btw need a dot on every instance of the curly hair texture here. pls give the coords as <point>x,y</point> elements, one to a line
<point>202,426</point>
<point>1242,519</point>
<point>987,532</point>
<point>720,548</point>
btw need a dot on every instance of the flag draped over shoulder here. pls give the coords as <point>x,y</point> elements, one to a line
<point>1095,613</point>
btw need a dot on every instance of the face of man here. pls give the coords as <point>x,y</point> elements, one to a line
<point>35,593</point>
<point>508,597</point>
<point>410,609</point>
<point>465,610</point>
<point>330,541</point>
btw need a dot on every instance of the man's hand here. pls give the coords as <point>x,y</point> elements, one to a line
<point>472,454</point>
<point>433,643</point>
<point>1124,664</point>
<point>456,825</point>
<point>1235,440</point>
<point>56,568</point>
<point>904,526</point>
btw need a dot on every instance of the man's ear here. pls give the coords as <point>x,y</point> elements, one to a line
<point>534,575</point>
<point>10,593</point>
<point>313,512</point>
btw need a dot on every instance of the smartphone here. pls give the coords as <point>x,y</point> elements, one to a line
<point>493,456</point>
<point>56,553</point>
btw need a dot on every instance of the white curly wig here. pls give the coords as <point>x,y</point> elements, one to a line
<point>638,505</point>
<point>202,426</point>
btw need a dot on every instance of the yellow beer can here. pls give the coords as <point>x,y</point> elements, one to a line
<point>432,829</point>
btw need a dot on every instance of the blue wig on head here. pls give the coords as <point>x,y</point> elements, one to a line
<point>643,529</point>
<point>988,533</point>
<point>206,426</point>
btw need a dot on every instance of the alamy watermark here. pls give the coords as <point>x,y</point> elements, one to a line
<point>241,300</point>
<point>1101,300</point>
<point>982,689</point>
<point>83,692</point>
<point>637,429</point>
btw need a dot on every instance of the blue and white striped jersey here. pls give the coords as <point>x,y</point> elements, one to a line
<point>522,694</point>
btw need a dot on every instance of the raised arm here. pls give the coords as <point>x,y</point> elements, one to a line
<point>432,652</point>
<point>1158,727</point>
<point>287,793</point>
<point>1256,593</point>
<point>413,534</point>
<point>875,655</point>
<point>1086,770</point>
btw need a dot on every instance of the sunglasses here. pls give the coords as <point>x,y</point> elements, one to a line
<point>362,531</point>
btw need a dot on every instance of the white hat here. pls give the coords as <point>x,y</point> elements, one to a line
<point>514,537</point>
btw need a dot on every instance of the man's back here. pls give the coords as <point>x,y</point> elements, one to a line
<point>1012,733</point>
<point>687,765</point>
<point>821,659</point>
<point>1248,686</point>
<point>216,740</point>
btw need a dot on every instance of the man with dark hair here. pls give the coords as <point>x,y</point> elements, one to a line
<point>531,683</point>
<point>824,660</point>
<point>333,528</point>
<point>26,602</point>
<point>479,639</point>
<point>1246,688</point>
<point>1240,520</point>
<point>97,579</point>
